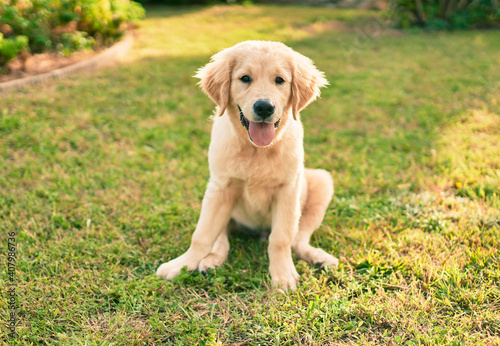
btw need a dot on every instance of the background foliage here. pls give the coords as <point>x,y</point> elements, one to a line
<point>445,14</point>
<point>65,25</point>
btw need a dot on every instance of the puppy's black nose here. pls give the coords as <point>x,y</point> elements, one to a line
<point>263,108</point>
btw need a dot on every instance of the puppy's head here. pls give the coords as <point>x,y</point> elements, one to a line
<point>261,84</point>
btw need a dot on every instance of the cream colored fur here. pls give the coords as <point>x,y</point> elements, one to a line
<point>259,187</point>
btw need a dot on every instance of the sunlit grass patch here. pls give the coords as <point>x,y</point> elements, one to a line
<point>471,150</point>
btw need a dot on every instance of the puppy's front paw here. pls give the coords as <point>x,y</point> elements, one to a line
<point>171,269</point>
<point>210,262</point>
<point>285,278</point>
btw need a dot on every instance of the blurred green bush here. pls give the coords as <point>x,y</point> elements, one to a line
<point>63,25</point>
<point>11,47</point>
<point>445,14</point>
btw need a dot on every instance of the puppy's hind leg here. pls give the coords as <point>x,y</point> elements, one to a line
<point>218,254</point>
<point>319,195</point>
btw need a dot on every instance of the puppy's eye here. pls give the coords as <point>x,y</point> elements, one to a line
<point>245,79</point>
<point>279,80</point>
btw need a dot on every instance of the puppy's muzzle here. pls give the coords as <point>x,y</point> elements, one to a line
<point>262,132</point>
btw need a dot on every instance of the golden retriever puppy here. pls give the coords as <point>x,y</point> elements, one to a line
<point>256,160</point>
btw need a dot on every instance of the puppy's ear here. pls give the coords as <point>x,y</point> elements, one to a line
<point>215,79</point>
<point>306,81</point>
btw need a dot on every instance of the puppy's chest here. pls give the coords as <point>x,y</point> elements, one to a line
<point>259,187</point>
<point>260,177</point>
<point>260,169</point>
<point>253,207</point>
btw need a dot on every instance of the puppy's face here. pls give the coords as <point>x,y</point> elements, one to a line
<point>261,89</point>
<point>261,84</point>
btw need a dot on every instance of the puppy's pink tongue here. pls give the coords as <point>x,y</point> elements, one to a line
<point>262,134</point>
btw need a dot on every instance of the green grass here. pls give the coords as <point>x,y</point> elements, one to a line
<point>102,177</point>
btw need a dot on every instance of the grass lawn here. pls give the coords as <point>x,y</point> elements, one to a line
<point>102,176</point>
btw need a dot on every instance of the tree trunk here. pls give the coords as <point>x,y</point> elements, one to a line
<point>450,8</point>
<point>463,4</point>
<point>494,4</point>
<point>419,12</point>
